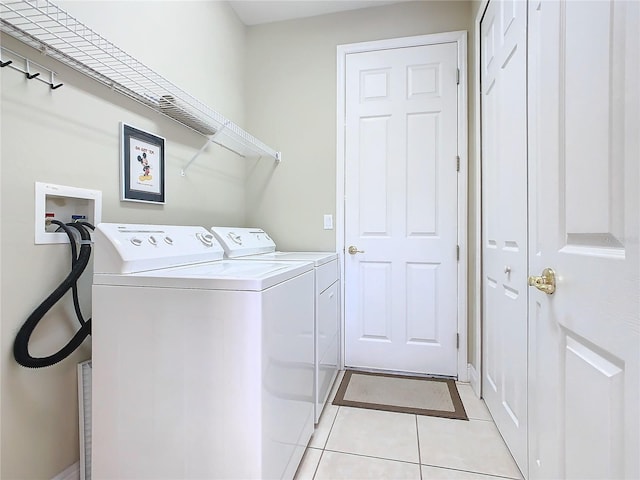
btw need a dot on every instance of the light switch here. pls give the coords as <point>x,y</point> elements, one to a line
<point>328,222</point>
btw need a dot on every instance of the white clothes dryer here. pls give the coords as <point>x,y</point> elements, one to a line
<point>202,367</point>
<point>255,244</point>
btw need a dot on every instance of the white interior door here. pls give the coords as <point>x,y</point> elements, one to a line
<point>401,209</point>
<point>584,155</point>
<point>504,219</point>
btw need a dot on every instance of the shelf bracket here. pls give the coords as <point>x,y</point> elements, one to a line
<point>211,139</point>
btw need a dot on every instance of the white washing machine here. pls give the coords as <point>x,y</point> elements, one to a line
<point>202,367</point>
<point>255,244</point>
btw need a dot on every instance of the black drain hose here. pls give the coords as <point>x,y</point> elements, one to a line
<point>79,263</point>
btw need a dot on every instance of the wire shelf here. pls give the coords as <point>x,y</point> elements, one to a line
<point>46,27</point>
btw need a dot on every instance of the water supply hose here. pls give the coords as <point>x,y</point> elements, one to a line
<point>78,264</point>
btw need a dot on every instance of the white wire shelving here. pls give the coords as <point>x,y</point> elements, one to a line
<point>46,27</point>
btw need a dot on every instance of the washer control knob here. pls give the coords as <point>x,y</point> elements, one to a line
<point>168,240</point>
<point>152,240</point>
<point>205,238</point>
<point>136,241</point>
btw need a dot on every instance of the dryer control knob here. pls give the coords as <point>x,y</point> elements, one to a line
<point>235,238</point>
<point>136,241</point>
<point>152,240</point>
<point>168,240</point>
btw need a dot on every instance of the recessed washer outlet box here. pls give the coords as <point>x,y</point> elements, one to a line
<point>57,202</point>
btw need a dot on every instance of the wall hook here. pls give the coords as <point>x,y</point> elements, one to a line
<point>24,65</point>
<point>53,84</point>
<point>28,72</point>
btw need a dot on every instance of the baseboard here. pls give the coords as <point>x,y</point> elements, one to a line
<point>71,473</point>
<point>474,379</point>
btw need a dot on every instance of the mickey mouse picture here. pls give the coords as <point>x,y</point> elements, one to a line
<point>142,166</point>
<point>146,168</point>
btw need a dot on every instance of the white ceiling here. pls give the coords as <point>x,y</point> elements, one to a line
<point>254,12</point>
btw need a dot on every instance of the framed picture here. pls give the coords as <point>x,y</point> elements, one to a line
<point>142,166</point>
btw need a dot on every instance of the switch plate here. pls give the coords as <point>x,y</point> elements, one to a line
<point>328,222</point>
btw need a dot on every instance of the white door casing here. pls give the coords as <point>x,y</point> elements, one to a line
<point>504,198</point>
<point>584,106</point>
<point>401,209</point>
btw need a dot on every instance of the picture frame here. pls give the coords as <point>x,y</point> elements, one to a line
<point>142,166</point>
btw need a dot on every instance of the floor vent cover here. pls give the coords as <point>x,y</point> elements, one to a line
<point>84,403</point>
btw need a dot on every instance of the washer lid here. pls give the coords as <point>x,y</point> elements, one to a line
<point>318,258</point>
<point>221,275</point>
<point>240,242</point>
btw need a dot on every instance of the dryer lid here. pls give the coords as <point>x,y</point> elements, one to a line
<point>241,242</point>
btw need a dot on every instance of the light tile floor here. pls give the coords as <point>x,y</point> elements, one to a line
<point>354,443</point>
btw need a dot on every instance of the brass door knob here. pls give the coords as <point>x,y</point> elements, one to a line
<point>546,282</point>
<point>353,250</point>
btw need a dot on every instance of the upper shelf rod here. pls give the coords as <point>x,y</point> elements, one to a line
<point>46,27</point>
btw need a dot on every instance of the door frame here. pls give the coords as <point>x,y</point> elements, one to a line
<point>460,38</point>
<point>476,367</point>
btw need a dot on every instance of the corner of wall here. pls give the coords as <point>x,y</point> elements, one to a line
<point>474,380</point>
<point>70,473</point>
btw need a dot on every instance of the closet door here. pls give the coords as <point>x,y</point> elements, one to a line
<point>504,201</point>
<point>584,208</point>
<point>401,204</point>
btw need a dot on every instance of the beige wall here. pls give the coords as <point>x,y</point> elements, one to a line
<point>71,137</point>
<point>291,101</point>
<point>278,81</point>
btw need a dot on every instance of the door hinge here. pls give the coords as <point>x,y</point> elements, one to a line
<point>457,341</point>
<point>458,76</point>
<point>457,163</point>
<point>458,252</point>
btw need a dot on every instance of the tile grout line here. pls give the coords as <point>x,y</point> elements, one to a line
<point>471,471</point>
<point>315,471</point>
<point>418,439</point>
<point>324,445</point>
<point>372,456</point>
